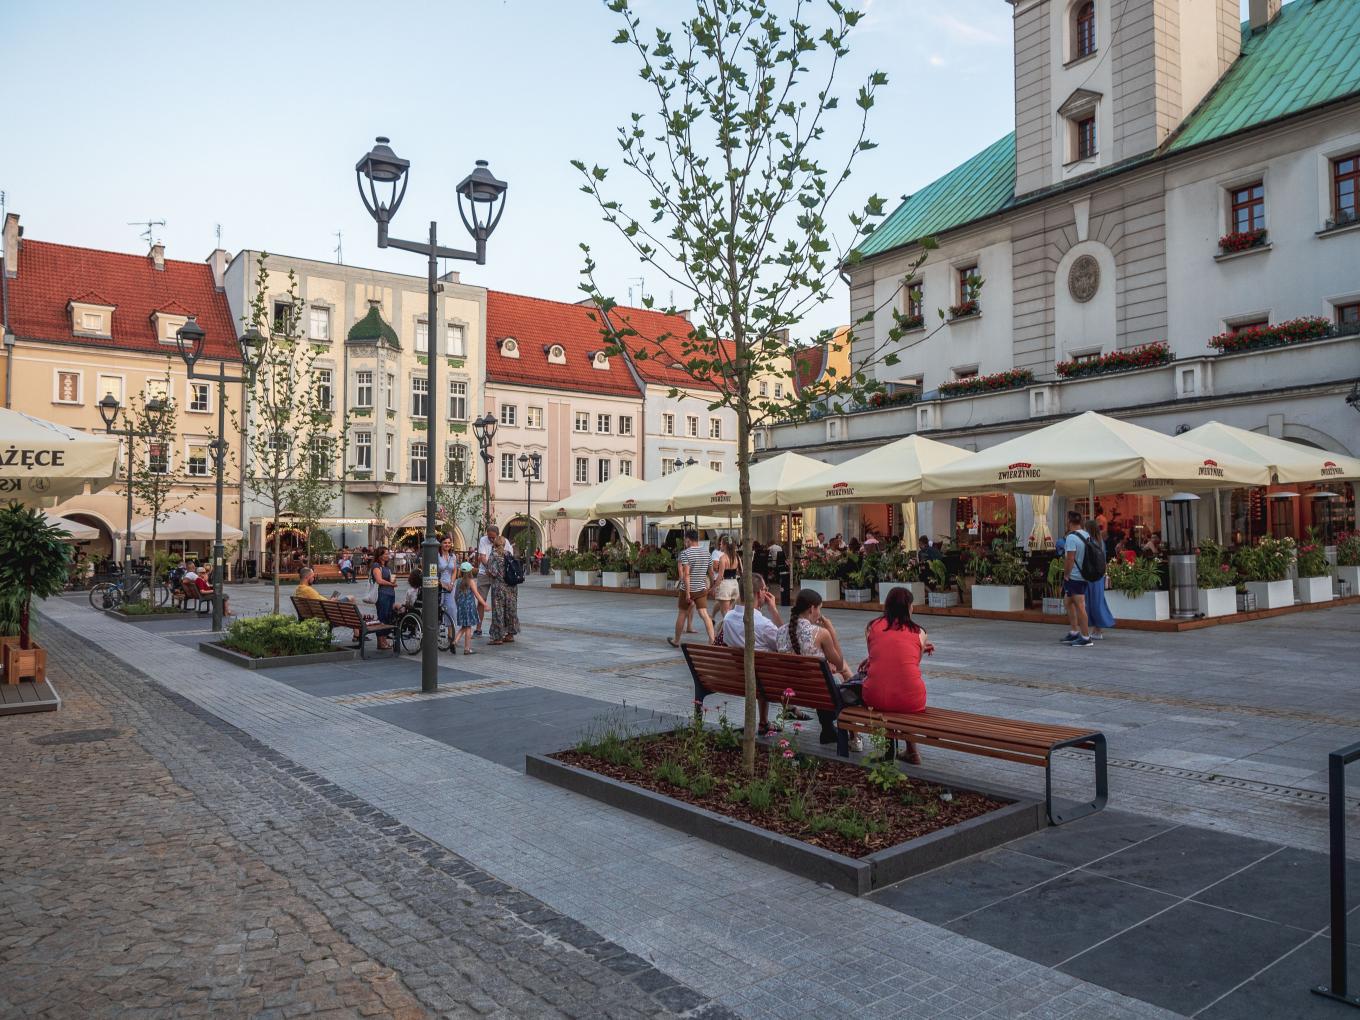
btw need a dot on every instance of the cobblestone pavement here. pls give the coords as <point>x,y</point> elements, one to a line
<point>155,861</point>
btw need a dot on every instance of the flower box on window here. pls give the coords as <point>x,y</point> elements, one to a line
<point>419,424</point>
<point>456,362</point>
<point>362,474</point>
<point>1282,334</point>
<point>362,412</point>
<point>910,322</point>
<point>1242,240</point>
<point>422,359</point>
<point>965,309</point>
<point>996,382</point>
<point>892,399</point>
<point>1345,218</point>
<point>391,414</point>
<point>1144,356</point>
<point>457,426</point>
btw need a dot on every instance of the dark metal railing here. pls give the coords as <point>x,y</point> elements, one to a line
<point>1336,807</point>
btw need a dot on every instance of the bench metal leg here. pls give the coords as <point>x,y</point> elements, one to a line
<point>1102,782</point>
<point>842,743</point>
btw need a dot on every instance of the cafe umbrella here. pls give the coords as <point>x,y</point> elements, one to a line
<point>42,463</point>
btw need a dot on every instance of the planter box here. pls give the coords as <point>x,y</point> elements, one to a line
<point>23,663</point>
<point>652,582</point>
<point>1151,605</point>
<point>246,662</point>
<point>615,578</point>
<point>1246,602</point>
<point>561,577</point>
<point>858,594</point>
<point>1272,594</point>
<point>1218,601</point>
<point>829,589</point>
<point>942,599</point>
<point>1351,576</point>
<point>1314,589</point>
<point>999,598</point>
<point>1055,607</point>
<point>917,589</point>
<point>585,578</point>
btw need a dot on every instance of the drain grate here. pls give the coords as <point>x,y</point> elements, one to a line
<point>76,737</point>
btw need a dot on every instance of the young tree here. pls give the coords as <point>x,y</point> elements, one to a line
<point>457,502</point>
<point>154,474</point>
<point>738,195</point>
<point>311,496</point>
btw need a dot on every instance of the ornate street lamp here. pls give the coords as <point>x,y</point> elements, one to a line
<point>484,428</point>
<point>109,409</point>
<point>382,177</point>
<point>529,467</point>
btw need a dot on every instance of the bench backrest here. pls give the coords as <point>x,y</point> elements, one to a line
<point>341,614</point>
<point>189,586</point>
<point>309,609</point>
<point>720,669</point>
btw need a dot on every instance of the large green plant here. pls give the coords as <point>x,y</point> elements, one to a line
<point>655,561</point>
<point>267,636</point>
<point>1348,550</point>
<point>1213,569</point>
<point>1312,556</point>
<point>33,559</point>
<point>1267,560</point>
<point>1134,579</point>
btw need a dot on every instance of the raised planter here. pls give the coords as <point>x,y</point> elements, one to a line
<point>1314,589</point>
<point>652,581</point>
<point>1272,594</point>
<point>917,589</point>
<point>1351,576</point>
<point>560,577</point>
<point>858,594</point>
<point>999,598</point>
<point>236,658</point>
<point>828,588</point>
<point>1218,601</point>
<point>942,599</point>
<point>1151,605</point>
<point>856,876</point>
<point>585,578</point>
<point>1055,607</point>
<point>23,663</point>
<point>615,578</point>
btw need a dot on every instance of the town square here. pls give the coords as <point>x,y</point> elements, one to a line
<point>715,508</point>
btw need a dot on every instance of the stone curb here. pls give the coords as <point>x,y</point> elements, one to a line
<point>275,662</point>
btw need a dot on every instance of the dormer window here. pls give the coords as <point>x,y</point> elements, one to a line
<point>91,315</point>
<point>510,347</point>
<point>168,320</point>
<point>599,360</point>
<point>1080,113</point>
<point>557,355</point>
<point>1084,30</point>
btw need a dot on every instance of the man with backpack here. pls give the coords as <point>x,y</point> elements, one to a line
<point>1083,561</point>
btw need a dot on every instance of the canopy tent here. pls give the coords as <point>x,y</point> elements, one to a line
<point>184,526</point>
<point>42,463</point>
<point>893,473</point>
<point>1289,463</point>
<point>657,496</point>
<point>75,531</point>
<point>584,505</point>
<point>692,521</point>
<point>772,482</point>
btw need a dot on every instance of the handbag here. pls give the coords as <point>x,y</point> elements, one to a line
<point>371,592</point>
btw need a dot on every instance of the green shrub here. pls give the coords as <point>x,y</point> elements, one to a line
<point>1348,550</point>
<point>1312,556</point>
<point>1267,560</point>
<point>1133,579</point>
<point>655,561</point>
<point>671,771</point>
<point>263,637</point>
<point>1213,568</point>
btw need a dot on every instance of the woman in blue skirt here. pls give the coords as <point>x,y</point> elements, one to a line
<point>1098,615</point>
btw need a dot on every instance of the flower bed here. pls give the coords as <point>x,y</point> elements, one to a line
<point>1241,240</point>
<point>1282,334</point>
<point>1144,356</point>
<point>262,637</point>
<point>1011,380</point>
<point>892,399</point>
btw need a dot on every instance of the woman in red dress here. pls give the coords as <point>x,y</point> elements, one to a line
<point>896,643</point>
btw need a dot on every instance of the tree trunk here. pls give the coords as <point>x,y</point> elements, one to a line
<point>23,623</point>
<point>276,565</point>
<point>748,658</point>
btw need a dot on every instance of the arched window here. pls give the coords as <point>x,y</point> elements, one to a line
<point>1085,34</point>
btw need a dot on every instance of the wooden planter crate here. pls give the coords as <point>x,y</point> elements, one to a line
<point>22,663</point>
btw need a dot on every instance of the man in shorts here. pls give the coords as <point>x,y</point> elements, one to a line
<point>1074,585</point>
<point>693,567</point>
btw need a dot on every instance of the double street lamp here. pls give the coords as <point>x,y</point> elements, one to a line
<point>484,428</point>
<point>529,466</point>
<point>382,178</point>
<point>156,409</point>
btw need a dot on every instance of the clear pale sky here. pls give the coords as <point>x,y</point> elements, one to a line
<point>251,115</point>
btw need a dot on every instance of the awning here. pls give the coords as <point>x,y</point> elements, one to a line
<point>184,526</point>
<point>78,532</point>
<point>888,474</point>
<point>657,496</point>
<point>772,482</point>
<point>42,463</point>
<point>583,505</point>
<point>1290,463</point>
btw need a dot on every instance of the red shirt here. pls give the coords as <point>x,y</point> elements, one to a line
<point>894,682</point>
<point>202,582</point>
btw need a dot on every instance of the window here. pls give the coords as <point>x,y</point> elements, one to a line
<point>507,467</point>
<point>1086,137</point>
<point>763,388</point>
<point>557,355</point>
<point>667,466</point>
<point>283,317</point>
<point>199,397</point>
<point>457,400</point>
<point>197,462</point>
<point>582,421</point>
<point>319,324</point>
<point>157,389</point>
<point>604,469</point>
<point>916,301</point>
<point>1346,189</point>
<point>363,389</point>
<point>604,424</point>
<point>322,381</point>
<point>965,373</point>
<point>509,347</point>
<point>319,456</point>
<point>626,468</point>
<point>509,414</point>
<point>692,425</point>
<point>715,428</point>
<point>1348,318</point>
<point>92,322</point>
<point>158,457</point>
<point>420,397</point>
<point>779,391</point>
<point>715,465</point>
<point>67,390</point>
<point>625,424</point>
<point>969,283</point>
<point>363,451</point>
<point>533,417</point>
<point>1248,208</point>
<point>582,471</point>
<point>388,444</point>
<point>455,340</point>
<point>1085,34</point>
<point>668,424</point>
<point>422,336</point>
<point>110,385</point>
<point>420,458</point>
<point>1240,327</point>
<point>458,464</point>
<point>391,392</point>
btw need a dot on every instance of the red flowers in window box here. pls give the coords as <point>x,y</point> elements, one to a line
<point>883,399</point>
<point>964,309</point>
<point>1282,334</point>
<point>1144,356</point>
<point>1241,240</point>
<point>1013,379</point>
<point>909,322</point>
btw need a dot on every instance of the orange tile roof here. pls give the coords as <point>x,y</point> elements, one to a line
<point>808,363</point>
<point>660,335</point>
<point>50,276</point>
<point>536,324</point>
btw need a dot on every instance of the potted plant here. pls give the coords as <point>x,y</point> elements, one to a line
<point>586,569</point>
<point>1217,581</point>
<point>33,560</point>
<point>1134,590</point>
<point>1054,603</point>
<point>653,567</point>
<point>1348,562</point>
<point>859,582</point>
<point>561,562</point>
<point>617,561</point>
<point>941,594</point>
<point>999,579</point>
<point>1264,569</point>
<point>1314,583</point>
<point>817,571</point>
<point>898,568</point>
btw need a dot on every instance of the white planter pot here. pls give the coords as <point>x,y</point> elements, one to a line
<point>999,598</point>
<point>917,589</point>
<point>1055,607</point>
<point>1151,605</point>
<point>829,590</point>
<point>1314,589</point>
<point>1218,601</point>
<point>1351,575</point>
<point>615,578</point>
<point>1272,594</point>
<point>560,577</point>
<point>652,582</point>
<point>585,577</point>
<point>942,599</point>
<point>858,594</point>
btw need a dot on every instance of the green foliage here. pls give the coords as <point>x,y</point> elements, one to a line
<point>617,556</point>
<point>817,564</point>
<point>33,560</point>
<point>1213,568</point>
<point>702,784</point>
<point>884,773</point>
<point>1057,573</point>
<point>1312,557</point>
<point>655,561</point>
<point>562,559</point>
<point>1348,550</point>
<point>1133,579</point>
<point>266,636</point>
<point>939,575</point>
<point>671,771</point>
<point>898,564</point>
<point>758,794</point>
<point>607,738</point>
<point>587,561</point>
<point>1267,560</point>
<point>10,603</point>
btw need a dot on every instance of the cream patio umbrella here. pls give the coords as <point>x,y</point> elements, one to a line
<point>583,505</point>
<point>75,531</point>
<point>1289,463</point>
<point>185,526</point>
<point>893,473</point>
<point>42,463</point>
<point>657,496</point>
<point>772,482</point>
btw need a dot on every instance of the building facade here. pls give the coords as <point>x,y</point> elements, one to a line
<point>81,324</point>
<point>1176,205</point>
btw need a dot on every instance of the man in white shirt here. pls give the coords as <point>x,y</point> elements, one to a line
<point>767,626</point>
<point>484,547</point>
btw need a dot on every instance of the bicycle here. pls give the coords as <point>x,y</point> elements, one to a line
<point>110,594</point>
<point>411,630</point>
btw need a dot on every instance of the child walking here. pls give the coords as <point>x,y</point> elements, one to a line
<point>467,600</point>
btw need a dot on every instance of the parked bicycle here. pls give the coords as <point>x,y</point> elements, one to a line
<point>110,594</point>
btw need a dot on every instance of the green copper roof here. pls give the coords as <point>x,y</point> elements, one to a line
<point>371,328</point>
<point>1309,55</point>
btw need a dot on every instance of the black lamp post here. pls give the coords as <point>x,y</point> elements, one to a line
<point>108,410</point>
<point>482,198</point>
<point>484,428</point>
<point>189,339</point>
<point>529,466</point>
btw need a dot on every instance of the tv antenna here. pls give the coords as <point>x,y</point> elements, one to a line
<point>641,282</point>
<point>149,233</point>
<point>339,249</point>
<point>217,229</point>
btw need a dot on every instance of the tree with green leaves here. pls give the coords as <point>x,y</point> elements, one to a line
<point>154,468</point>
<point>740,187</point>
<point>458,502</point>
<point>311,496</point>
<point>33,560</point>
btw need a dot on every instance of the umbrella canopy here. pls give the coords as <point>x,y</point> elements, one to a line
<point>889,474</point>
<point>42,463</point>
<point>583,505</point>
<point>75,531</point>
<point>771,482</point>
<point>1290,463</point>
<point>185,526</point>
<point>1093,452</point>
<point>692,521</point>
<point>657,496</point>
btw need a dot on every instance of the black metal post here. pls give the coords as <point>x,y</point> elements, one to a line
<point>429,583</point>
<point>127,537</point>
<point>219,581</point>
<point>1336,808</point>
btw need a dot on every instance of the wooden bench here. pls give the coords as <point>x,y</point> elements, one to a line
<point>717,669</point>
<point>190,595</point>
<point>308,609</point>
<point>345,615</point>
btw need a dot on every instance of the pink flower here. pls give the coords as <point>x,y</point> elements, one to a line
<point>788,692</point>
<point>783,743</point>
<point>797,727</point>
<point>788,754</point>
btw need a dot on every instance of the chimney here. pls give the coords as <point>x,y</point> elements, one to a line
<point>450,277</point>
<point>1262,13</point>
<point>217,263</point>
<point>158,256</point>
<point>12,235</point>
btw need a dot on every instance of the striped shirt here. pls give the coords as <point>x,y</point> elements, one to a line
<point>697,561</point>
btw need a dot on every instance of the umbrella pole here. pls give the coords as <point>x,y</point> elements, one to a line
<point>1218,517</point>
<point>1091,499</point>
<point>788,562</point>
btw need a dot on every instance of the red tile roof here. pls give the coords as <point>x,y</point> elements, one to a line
<point>52,275</point>
<point>660,335</point>
<point>536,324</point>
<point>808,363</point>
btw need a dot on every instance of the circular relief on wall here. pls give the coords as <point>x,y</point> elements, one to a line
<point>1083,279</point>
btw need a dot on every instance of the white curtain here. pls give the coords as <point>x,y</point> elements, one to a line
<point>1039,535</point>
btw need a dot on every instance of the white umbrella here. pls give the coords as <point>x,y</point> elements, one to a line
<point>185,526</point>
<point>42,463</point>
<point>75,531</point>
<point>657,496</point>
<point>772,482</point>
<point>584,505</point>
<point>702,523</point>
<point>892,473</point>
<point>1290,463</point>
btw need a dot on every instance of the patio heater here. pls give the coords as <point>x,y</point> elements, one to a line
<point>1323,506</point>
<point>1278,521</point>
<point>1178,530</point>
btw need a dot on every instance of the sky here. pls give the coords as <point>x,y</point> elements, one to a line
<point>251,116</point>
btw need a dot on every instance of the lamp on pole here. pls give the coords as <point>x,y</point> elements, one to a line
<point>529,465</point>
<point>108,410</point>
<point>189,339</point>
<point>484,428</point>
<point>481,201</point>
